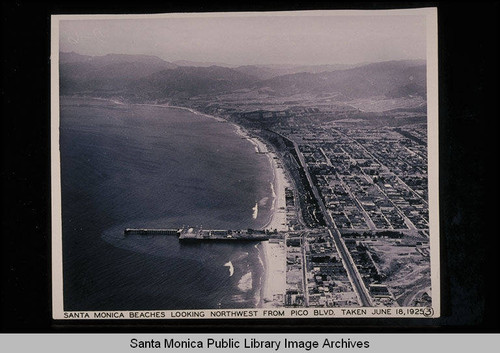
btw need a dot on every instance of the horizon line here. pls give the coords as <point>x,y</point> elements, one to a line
<point>228,65</point>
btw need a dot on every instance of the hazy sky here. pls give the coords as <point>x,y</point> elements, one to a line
<point>252,39</point>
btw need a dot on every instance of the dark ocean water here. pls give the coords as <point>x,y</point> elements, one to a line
<point>144,166</point>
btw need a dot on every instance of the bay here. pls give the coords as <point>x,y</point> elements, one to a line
<point>148,166</point>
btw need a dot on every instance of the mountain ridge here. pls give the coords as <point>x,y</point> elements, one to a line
<point>150,77</point>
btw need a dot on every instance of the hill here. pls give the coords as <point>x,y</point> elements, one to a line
<point>105,73</point>
<point>188,81</point>
<point>392,78</point>
<point>147,77</point>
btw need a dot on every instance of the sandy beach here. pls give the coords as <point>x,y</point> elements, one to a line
<point>274,284</point>
<point>274,252</point>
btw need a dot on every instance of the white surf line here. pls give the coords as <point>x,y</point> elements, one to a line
<point>255,210</point>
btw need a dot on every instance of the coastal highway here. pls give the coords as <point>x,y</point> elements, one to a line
<point>352,271</point>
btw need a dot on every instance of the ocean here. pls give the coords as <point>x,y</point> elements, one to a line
<point>143,166</point>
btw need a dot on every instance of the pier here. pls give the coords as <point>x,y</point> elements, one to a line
<point>199,234</point>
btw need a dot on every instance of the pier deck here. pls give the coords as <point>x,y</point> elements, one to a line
<point>198,234</point>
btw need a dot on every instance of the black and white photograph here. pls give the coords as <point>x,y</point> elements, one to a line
<point>245,165</point>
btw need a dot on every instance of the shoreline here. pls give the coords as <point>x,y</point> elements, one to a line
<point>272,253</point>
<point>273,283</point>
<point>277,218</point>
